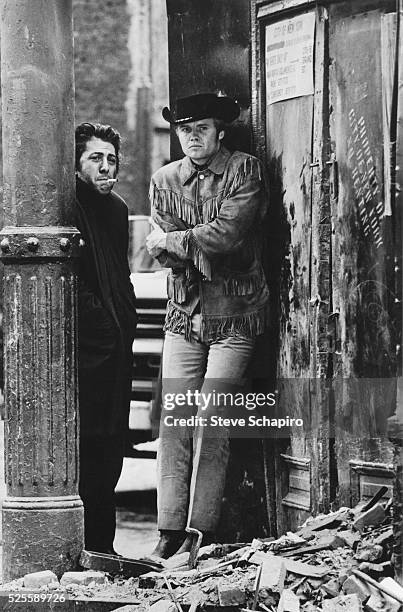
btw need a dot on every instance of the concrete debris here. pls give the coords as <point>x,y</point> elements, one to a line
<point>381,603</point>
<point>393,587</point>
<point>372,569</point>
<point>329,521</point>
<point>368,552</point>
<point>36,580</point>
<point>384,537</point>
<point>354,585</point>
<point>273,574</point>
<point>84,578</point>
<point>230,595</point>
<point>163,605</point>
<point>150,580</point>
<point>289,602</point>
<point>332,587</point>
<point>371,518</point>
<point>345,603</point>
<point>333,563</point>
<point>305,569</point>
<point>257,544</point>
<point>350,538</point>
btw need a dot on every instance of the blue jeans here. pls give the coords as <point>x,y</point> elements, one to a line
<point>191,464</point>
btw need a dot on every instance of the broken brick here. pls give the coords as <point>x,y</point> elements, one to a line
<point>354,585</point>
<point>289,602</point>
<point>229,595</point>
<point>83,578</point>
<point>368,552</point>
<point>344,603</point>
<point>372,517</point>
<point>36,580</point>
<point>273,574</point>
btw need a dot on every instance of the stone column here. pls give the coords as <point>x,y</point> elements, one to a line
<point>42,513</point>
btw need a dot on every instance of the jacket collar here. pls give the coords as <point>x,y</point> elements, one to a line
<point>216,164</point>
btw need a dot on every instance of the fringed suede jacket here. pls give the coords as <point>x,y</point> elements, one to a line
<point>213,218</point>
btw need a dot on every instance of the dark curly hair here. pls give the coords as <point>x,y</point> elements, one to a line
<point>86,131</point>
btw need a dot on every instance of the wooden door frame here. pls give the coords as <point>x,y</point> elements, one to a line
<point>262,13</point>
<point>320,232</point>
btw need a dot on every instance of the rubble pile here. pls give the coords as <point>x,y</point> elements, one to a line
<point>335,562</point>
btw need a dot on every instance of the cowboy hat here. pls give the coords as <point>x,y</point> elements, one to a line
<point>201,106</point>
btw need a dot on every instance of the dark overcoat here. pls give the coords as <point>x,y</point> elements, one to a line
<point>106,314</point>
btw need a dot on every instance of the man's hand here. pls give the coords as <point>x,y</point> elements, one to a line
<point>156,242</point>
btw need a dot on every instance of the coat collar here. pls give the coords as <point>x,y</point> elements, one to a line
<point>216,164</point>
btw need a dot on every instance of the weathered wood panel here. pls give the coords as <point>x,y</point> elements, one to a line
<point>396,424</point>
<point>294,145</point>
<point>320,298</point>
<point>361,254</point>
<point>289,139</point>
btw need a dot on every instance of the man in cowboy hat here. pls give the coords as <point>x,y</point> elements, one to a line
<point>208,207</point>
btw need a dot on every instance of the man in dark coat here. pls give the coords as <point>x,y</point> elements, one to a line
<point>106,325</point>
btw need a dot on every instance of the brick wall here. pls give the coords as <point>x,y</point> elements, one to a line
<point>102,65</point>
<point>119,44</point>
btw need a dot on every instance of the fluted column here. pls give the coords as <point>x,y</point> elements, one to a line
<point>42,513</point>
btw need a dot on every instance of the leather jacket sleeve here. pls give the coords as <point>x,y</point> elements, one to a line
<point>169,224</point>
<point>224,234</point>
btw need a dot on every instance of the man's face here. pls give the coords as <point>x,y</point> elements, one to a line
<point>98,164</point>
<point>199,139</point>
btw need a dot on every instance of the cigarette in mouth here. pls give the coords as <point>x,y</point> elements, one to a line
<point>112,180</point>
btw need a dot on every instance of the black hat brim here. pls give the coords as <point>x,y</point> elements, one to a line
<point>220,107</point>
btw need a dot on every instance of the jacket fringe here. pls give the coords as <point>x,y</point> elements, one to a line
<point>249,168</point>
<point>176,288</point>
<point>249,324</point>
<point>195,253</point>
<point>242,285</point>
<point>211,208</point>
<point>168,201</point>
<point>178,322</point>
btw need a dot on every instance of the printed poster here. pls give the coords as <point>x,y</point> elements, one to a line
<point>289,58</point>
